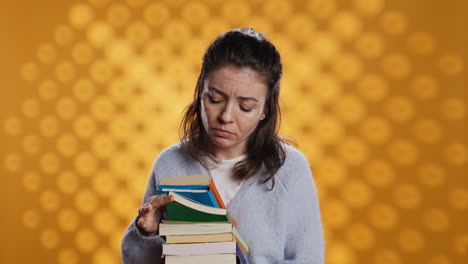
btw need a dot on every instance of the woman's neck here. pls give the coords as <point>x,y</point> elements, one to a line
<point>227,154</point>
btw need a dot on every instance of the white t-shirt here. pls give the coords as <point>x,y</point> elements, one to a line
<point>225,183</point>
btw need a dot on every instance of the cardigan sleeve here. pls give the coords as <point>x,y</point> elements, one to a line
<point>304,237</point>
<point>137,247</point>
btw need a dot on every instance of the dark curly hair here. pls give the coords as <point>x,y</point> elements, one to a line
<point>242,47</point>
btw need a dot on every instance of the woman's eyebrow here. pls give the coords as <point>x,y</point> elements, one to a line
<point>247,98</point>
<point>217,91</point>
<point>225,95</point>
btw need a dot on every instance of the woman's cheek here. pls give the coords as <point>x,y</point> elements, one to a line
<point>250,117</point>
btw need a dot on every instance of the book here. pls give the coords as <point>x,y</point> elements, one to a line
<point>199,249</point>
<point>217,195</point>
<point>164,221</point>
<point>207,238</point>
<point>184,209</point>
<point>186,180</point>
<point>196,226</point>
<point>205,259</point>
<point>184,188</point>
<point>199,193</point>
<point>167,229</point>
<point>242,245</point>
<point>193,187</point>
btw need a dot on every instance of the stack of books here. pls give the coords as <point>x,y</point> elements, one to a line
<point>196,225</point>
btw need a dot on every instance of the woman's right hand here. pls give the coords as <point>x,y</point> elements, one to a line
<point>151,213</point>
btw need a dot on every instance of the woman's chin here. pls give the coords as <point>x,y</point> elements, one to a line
<point>220,142</point>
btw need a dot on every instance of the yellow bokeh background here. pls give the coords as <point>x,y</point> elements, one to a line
<point>374,93</point>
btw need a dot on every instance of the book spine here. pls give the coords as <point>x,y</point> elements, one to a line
<point>180,239</point>
<point>199,249</point>
<point>216,195</point>
<point>220,200</point>
<point>194,229</point>
<point>213,198</point>
<point>187,187</point>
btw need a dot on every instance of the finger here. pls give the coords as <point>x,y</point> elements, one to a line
<point>161,200</point>
<point>158,197</point>
<point>141,223</point>
<point>144,210</point>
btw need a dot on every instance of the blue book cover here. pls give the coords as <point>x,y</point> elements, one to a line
<point>183,187</point>
<point>198,193</point>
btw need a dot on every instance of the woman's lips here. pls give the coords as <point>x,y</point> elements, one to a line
<point>222,133</point>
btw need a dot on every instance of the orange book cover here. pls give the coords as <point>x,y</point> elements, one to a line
<point>216,195</point>
<point>219,199</point>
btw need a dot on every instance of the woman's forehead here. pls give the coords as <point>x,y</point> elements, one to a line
<point>241,79</point>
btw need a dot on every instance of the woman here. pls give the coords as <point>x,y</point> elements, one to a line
<point>230,132</point>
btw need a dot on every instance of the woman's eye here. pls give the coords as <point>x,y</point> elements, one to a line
<point>245,109</point>
<point>212,100</point>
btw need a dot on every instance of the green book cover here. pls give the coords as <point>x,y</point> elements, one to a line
<point>183,209</point>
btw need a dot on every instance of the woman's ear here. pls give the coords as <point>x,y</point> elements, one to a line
<point>264,113</point>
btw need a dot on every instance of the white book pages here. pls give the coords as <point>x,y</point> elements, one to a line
<point>205,259</point>
<point>197,206</point>
<point>199,249</point>
<point>194,229</point>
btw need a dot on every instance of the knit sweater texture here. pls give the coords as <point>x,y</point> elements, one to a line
<point>280,226</point>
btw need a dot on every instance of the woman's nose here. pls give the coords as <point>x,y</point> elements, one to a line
<point>226,114</point>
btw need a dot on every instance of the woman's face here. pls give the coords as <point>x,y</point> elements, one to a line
<point>232,105</point>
